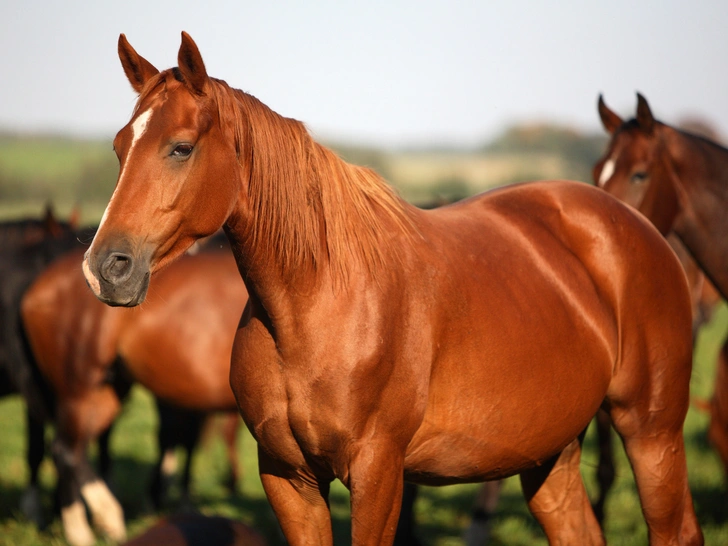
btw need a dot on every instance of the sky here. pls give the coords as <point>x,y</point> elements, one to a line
<point>394,73</point>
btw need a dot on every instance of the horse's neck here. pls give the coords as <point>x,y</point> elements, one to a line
<point>702,170</point>
<point>310,214</point>
<point>280,290</point>
<point>701,164</point>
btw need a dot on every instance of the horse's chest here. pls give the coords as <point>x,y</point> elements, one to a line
<point>285,410</point>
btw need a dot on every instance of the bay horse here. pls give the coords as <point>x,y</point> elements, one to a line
<point>177,346</point>
<point>676,179</point>
<point>679,181</point>
<point>382,342</point>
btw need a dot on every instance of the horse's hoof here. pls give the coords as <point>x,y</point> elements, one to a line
<point>31,507</point>
<point>75,525</point>
<point>477,534</point>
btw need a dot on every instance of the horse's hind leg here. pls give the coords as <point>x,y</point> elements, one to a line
<point>557,498</point>
<point>605,468</point>
<point>648,406</point>
<point>657,455</point>
<point>30,503</point>
<point>230,427</point>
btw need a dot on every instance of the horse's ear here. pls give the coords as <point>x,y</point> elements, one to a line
<point>644,115</point>
<point>51,225</point>
<point>661,202</point>
<point>610,120</point>
<point>137,69</point>
<point>74,220</point>
<point>191,65</point>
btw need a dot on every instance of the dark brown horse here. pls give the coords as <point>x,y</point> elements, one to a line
<point>679,181</point>
<point>381,341</point>
<point>178,346</point>
<point>27,245</point>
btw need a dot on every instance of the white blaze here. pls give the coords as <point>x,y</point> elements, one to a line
<point>607,172</point>
<point>138,128</point>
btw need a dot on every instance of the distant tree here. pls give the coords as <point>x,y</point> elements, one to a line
<point>579,151</point>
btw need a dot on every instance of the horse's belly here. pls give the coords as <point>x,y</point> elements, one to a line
<point>506,416</point>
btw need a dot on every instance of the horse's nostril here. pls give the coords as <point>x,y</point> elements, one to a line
<point>116,267</point>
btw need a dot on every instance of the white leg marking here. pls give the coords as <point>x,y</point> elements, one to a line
<point>138,128</point>
<point>169,463</point>
<point>75,525</point>
<point>105,509</point>
<point>607,172</point>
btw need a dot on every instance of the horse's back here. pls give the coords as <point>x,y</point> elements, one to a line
<point>519,246</point>
<point>619,249</point>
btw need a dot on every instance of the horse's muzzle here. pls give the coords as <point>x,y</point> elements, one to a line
<point>116,277</point>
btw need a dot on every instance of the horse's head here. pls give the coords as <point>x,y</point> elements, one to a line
<point>636,167</point>
<point>177,178</point>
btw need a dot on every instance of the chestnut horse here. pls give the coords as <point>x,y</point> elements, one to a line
<point>178,346</point>
<point>679,181</point>
<point>381,342</point>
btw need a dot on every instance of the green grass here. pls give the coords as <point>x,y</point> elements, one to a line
<point>442,513</point>
<point>35,170</point>
<point>48,157</point>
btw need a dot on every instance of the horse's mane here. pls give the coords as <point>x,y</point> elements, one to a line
<point>310,206</point>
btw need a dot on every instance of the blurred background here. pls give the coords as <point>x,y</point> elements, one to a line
<point>444,99</point>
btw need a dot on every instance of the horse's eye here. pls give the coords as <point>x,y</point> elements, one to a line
<point>182,150</point>
<point>639,177</point>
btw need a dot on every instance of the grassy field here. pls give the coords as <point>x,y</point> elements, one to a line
<point>441,513</point>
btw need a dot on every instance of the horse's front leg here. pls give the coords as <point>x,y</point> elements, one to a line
<point>301,503</point>
<point>376,482</point>
<point>76,526</point>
